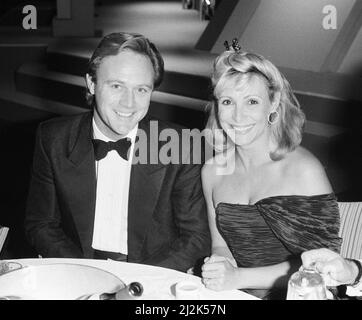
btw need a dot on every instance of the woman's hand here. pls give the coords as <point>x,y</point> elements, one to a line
<point>219,274</point>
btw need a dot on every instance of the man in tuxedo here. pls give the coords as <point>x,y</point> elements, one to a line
<point>88,196</point>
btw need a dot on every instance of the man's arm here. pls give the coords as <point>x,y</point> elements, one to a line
<point>189,214</point>
<point>43,218</point>
<point>335,269</point>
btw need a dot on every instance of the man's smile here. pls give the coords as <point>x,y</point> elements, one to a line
<point>124,114</point>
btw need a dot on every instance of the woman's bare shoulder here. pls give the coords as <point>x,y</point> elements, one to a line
<point>304,168</point>
<point>304,158</point>
<point>213,169</point>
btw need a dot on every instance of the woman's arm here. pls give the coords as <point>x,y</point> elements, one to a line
<point>222,275</point>
<point>218,244</point>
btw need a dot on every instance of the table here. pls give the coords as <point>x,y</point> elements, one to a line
<point>158,283</point>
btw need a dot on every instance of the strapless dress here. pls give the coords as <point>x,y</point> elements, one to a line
<point>277,229</point>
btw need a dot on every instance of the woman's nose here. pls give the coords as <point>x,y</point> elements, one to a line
<point>239,112</point>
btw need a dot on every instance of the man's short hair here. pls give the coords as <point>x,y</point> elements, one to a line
<point>116,42</point>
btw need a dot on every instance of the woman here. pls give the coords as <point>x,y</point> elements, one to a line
<point>277,202</point>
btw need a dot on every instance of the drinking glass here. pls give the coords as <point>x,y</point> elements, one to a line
<point>306,285</point>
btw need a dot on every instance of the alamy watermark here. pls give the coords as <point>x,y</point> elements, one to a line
<point>183,146</point>
<point>330,19</point>
<point>30,20</point>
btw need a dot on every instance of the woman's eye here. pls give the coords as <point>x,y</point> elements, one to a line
<point>253,101</point>
<point>142,90</point>
<point>226,102</point>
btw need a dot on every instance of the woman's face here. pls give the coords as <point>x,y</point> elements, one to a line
<point>244,110</point>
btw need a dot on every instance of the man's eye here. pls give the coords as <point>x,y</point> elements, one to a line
<point>253,101</point>
<point>115,86</point>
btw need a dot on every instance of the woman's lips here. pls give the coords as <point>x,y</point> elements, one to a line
<point>243,129</point>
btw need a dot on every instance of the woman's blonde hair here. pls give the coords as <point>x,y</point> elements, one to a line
<point>240,66</point>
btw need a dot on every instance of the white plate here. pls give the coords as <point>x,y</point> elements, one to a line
<point>57,282</point>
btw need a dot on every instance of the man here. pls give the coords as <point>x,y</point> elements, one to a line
<point>87,202</point>
<point>335,269</point>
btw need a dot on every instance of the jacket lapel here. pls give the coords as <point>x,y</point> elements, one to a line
<point>145,186</point>
<point>83,181</point>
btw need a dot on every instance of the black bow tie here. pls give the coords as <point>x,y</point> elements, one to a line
<point>101,148</point>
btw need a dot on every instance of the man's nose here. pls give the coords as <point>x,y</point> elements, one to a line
<point>127,99</point>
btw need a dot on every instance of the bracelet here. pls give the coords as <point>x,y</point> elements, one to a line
<point>359,274</point>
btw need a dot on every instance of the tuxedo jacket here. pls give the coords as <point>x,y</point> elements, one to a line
<point>167,219</point>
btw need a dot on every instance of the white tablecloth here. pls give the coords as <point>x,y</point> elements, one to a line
<point>158,283</point>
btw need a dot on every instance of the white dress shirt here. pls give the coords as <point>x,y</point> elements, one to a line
<point>111,212</point>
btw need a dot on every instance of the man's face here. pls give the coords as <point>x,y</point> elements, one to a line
<point>122,92</point>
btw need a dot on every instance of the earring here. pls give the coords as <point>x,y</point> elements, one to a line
<point>273,117</point>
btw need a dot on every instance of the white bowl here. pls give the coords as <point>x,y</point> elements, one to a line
<point>60,281</point>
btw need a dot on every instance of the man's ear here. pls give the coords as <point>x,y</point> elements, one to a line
<point>90,83</point>
<point>276,101</point>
